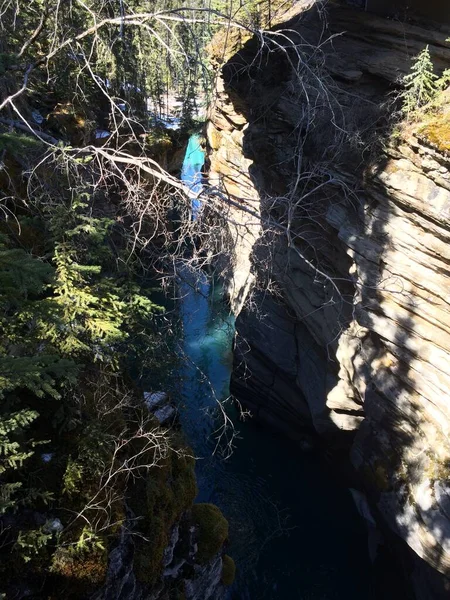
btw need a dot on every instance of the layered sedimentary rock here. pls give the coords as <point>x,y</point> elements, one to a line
<point>353,340</point>
<point>229,171</point>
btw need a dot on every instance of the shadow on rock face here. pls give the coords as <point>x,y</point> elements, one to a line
<point>347,335</point>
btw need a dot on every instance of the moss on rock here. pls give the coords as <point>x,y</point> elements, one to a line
<point>77,575</point>
<point>18,143</point>
<point>212,530</point>
<point>169,492</point>
<point>437,131</point>
<point>228,570</point>
<point>433,122</point>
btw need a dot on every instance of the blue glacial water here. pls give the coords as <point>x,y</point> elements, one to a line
<point>191,172</point>
<point>295,533</point>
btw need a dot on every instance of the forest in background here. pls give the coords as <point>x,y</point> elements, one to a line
<point>92,213</point>
<point>87,226</point>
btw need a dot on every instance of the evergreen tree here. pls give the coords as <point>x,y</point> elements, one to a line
<point>74,306</point>
<point>421,84</point>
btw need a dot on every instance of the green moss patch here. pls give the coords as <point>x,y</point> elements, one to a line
<point>78,575</point>
<point>18,143</point>
<point>437,131</point>
<point>212,530</point>
<point>433,121</point>
<point>228,570</point>
<point>168,492</point>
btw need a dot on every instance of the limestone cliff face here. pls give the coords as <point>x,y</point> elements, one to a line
<point>229,171</point>
<point>354,236</point>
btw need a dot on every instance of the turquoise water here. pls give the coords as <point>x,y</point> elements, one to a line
<point>295,533</point>
<point>191,172</point>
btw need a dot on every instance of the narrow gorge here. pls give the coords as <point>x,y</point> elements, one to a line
<point>341,223</point>
<point>224,300</point>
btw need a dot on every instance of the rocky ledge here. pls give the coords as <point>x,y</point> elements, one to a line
<point>346,334</point>
<point>168,547</point>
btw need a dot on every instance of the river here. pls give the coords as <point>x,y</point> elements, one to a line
<point>295,533</point>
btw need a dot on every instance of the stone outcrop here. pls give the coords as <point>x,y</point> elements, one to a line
<point>161,406</point>
<point>352,342</point>
<point>183,574</point>
<point>229,171</point>
<point>161,550</point>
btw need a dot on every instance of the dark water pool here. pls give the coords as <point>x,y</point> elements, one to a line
<point>295,533</point>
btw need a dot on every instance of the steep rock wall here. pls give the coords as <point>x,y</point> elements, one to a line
<point>353,236</point>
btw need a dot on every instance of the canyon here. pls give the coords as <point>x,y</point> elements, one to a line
<point>300,248</point>
<point>339,213</point>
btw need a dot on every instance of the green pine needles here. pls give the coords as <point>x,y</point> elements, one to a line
<point>422,85</point>
<point>78,321</point>
<point>69,321</point>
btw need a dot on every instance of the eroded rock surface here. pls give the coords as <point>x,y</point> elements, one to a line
<point>183,573</point>
<point>354,236</point>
